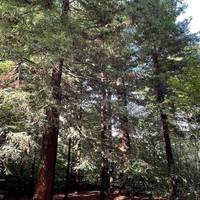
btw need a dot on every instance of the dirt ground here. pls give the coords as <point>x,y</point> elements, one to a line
<point>93,196</point>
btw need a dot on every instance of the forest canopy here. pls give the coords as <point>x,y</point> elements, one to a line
<point>98,95</point>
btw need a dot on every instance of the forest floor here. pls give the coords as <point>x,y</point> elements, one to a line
<point>94,196</point>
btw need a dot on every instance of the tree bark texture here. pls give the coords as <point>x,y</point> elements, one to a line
<point>45,181</point>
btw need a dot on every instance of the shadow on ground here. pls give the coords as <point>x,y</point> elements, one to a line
<point>94,196</point>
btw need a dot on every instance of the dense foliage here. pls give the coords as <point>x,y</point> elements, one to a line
<point>128,97</point>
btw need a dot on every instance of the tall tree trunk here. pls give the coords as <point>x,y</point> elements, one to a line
<point>109,179</point>
<point>160,90</point>
<point>46,174</point>
<point>124,139</point>
<point>45,181</point>
<point>68,169</point>
<point>103,140</point>
<point>78,149</point>
<point>78,158</point>
<point>105,136</point>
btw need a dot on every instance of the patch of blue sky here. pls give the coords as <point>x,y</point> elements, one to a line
<point>193,12</point>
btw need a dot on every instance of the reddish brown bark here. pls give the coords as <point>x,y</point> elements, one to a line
<point>46,173</point>
<point>45,181</point>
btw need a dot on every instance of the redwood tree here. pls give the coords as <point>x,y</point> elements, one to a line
<point>45,181</point>
<point>46,173</point>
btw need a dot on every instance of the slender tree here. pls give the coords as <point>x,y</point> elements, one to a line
<point>160,39</point>
<point>104,160</point>
<point>68,169</point>
<point>160,90</point>
<point>124,139</point>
